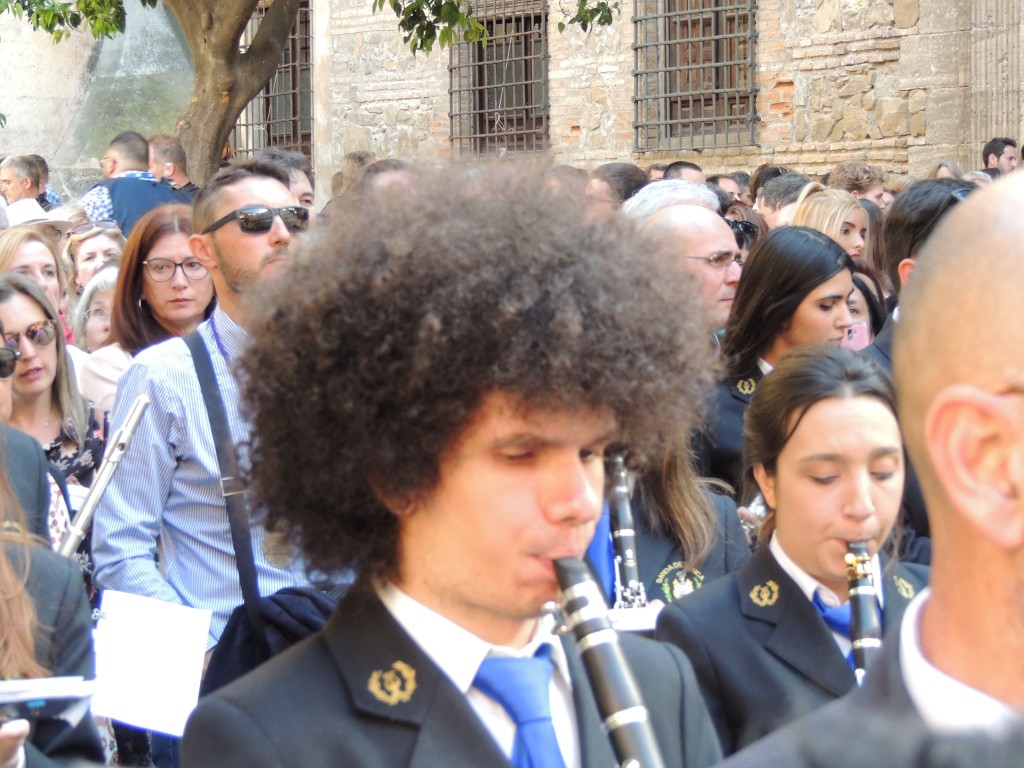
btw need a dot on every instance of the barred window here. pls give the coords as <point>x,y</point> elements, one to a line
<point>694,83</point>
<point>499,88</point>
<point>281,115</point>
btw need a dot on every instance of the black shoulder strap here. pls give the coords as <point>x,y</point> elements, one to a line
<point>231,485</point>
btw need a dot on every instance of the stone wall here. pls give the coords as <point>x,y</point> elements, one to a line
<point>882,80</point>
<point>67,101</point>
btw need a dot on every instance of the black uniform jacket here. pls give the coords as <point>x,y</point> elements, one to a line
<point>719,446</point>
<point>876,725</point>
<point>660,558</point>
<point>763,655</point>
<point>361,692</point>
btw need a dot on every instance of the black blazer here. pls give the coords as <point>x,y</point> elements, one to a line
<point>64,647</point>
<point>26,468</point>
<point>718,447</point>
<point>762,654</point>
<point>361,692</point>
<point>880,350</point>
<point>660,559</point>
<point>856,724</point>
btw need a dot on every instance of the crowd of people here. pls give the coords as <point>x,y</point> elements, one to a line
<point>420,389</point>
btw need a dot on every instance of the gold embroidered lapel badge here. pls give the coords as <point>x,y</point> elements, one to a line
<point>395,685</point>
<point>904,587</point>
<point>765,594</point>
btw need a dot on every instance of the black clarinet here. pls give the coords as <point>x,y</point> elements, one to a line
<point>629,590</point>
<point>618,698</point>
<point>865,618</point>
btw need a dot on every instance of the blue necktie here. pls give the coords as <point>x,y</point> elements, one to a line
<point>601,554</point>
<point>837,618</point>
<point>521,686</point>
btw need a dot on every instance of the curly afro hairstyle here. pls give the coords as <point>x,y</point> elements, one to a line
<point>375,352</point>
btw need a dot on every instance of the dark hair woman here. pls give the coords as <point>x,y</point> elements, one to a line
<point>770,643</point>
<point>162,292</point>
<point>793,293</point>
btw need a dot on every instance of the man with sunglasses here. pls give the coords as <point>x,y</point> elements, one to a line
<point>168,487</point>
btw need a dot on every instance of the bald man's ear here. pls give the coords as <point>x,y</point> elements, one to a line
<point>976,444</point>
<point>903,269</point>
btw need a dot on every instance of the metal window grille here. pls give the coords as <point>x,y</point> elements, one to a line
<point>694,84</point>
<point>499,89</point>
<point>281,115</point>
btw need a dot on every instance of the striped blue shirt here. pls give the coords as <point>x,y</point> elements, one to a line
<point>167,487</point>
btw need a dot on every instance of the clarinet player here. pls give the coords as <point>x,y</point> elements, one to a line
<point>952,677</point>
<point>453,391</point>
<point>773,641</point>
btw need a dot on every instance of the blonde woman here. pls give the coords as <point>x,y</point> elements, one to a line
<point>836,213</point>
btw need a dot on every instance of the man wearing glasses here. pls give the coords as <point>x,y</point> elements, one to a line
<point>707,249</point>
<point>168,488</point>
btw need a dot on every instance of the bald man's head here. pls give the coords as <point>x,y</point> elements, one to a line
<point>959,320</point>
<point>707,248</point>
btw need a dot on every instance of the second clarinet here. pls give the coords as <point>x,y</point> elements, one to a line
<point>629,590</point>
<point>865,617</point>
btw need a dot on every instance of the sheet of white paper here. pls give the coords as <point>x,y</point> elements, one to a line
<point>149,661</point>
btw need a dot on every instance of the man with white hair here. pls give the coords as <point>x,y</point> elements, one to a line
<point>707,249</point>
<point>668,192</point>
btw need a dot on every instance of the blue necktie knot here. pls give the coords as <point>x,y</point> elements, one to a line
<point>522,687</point>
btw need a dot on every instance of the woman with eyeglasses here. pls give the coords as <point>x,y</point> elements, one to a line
<point>793,293</point>
<point>92,316</point>
<point>47,405</point>
<point>93,246</point>
<point>162,291</point>
<point>774,640</point>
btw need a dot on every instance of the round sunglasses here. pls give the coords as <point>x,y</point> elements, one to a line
<point>41,334</point>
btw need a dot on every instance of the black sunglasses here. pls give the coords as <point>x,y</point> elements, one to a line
<point>8,361</point>
<point>746,228</point>
<point>41,334</point>
<point>258,219</point>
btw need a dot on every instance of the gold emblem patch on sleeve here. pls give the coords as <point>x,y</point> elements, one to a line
<point>395,685</point>
<point>904,587</point>
<point>765,594</point>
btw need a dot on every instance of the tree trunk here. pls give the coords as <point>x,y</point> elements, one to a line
<point>226,80</point>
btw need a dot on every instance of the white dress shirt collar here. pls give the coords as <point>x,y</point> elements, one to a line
<point>946,705</point>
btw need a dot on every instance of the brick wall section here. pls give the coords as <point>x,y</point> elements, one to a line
<point>881,80</point>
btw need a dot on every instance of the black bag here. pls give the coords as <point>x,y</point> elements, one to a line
<point>289,615</point>
<point>261,627</point>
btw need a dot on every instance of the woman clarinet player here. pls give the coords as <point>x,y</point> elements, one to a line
<point>771,642</point>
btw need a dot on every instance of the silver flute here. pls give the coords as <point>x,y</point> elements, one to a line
<point>116,447</point>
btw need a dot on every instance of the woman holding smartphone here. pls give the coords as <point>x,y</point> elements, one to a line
<point>768,642</point>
